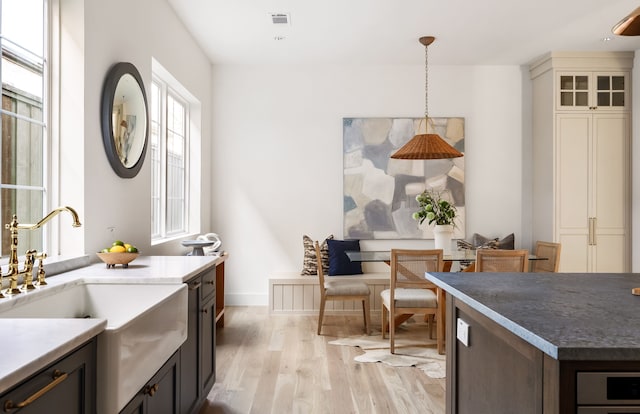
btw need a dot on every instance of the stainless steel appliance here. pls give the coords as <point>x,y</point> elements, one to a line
<point>608,392</point>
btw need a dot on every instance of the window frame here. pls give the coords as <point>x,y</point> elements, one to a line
<point>166,90</point>
<point>26,58</point>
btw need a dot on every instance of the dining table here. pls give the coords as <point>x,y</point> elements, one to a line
<point>468,256</point>
<point>462,256</point>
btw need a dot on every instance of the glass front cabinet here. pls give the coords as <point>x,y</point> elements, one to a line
<point>584,91</point>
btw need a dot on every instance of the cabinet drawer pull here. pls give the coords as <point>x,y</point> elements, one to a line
<point>205,310</point>
<point>151,389</point>
<point>210,282</point>
<point>58,377</point>
<point>195,286</point>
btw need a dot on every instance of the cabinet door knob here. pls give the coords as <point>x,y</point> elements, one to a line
<point>151,389</point>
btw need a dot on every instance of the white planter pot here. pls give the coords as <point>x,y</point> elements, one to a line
<point>442,236</point>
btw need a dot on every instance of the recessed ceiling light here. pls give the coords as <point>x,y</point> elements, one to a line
<point>607,39</point>
<point>279,37</point>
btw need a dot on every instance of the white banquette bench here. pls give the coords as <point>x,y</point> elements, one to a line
<point>290,292</point>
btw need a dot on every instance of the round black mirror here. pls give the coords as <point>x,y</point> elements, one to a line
<point>124,118</point>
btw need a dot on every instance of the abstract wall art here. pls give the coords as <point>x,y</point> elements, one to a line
<point>379,192</point>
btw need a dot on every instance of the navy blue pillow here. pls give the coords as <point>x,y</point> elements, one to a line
<point>339,263</point>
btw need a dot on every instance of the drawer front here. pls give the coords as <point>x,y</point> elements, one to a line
<point>609,410</point>
<point>208,283</point>
<point>66,387</point>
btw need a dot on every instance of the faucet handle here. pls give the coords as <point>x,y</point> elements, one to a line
<point>41,276</point>
<point>27,284</point>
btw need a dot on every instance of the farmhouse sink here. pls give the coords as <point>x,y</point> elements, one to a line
<point>146,324</point>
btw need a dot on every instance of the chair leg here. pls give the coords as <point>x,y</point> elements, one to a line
<point>430,325</point>
<point>384,321</point>
<point>392,332</point>
<point>321,314</point>
<point>366,310</point>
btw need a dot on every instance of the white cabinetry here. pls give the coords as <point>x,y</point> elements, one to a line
<point>581,158</point>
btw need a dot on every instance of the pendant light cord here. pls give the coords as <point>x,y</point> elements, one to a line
<point>426,82</point>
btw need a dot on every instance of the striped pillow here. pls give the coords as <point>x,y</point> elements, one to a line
<point>465,245</point>
<point>309,264</point>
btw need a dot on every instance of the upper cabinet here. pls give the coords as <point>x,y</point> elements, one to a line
<point>600,91</point>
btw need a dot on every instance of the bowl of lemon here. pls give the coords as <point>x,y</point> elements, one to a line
<point>119,253</point>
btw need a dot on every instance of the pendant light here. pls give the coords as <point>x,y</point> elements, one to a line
<point>629,26</point>
<point>426,146</point>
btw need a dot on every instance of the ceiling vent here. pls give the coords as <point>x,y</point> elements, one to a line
<point>280,19</point>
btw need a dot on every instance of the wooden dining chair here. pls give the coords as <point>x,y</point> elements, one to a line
<point>549,251</point>
<point>342,290</point>
<point>490,260</point>
<point>409,292</point>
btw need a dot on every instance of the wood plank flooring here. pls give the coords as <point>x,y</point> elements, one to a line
<point>277,364</point>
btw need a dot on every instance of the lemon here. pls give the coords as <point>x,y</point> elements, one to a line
<point>132,249</point>
<point>117,249</point>
<point>118,243</point>
<point>127,245</point>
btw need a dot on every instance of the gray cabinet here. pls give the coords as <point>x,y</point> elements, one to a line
<point>190,395</point>
<point>197,354</point>
<point>496,372</point>
<point>499,372</point>
<point>68,386</point>
<point>208,338</point>
<point>161,394</point>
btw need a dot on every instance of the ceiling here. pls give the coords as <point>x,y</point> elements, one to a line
<point>468,32</point>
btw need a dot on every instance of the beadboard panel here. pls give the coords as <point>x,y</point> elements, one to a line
<point>293,293</point>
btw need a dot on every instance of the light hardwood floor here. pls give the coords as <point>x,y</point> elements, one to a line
<point>277,364</point>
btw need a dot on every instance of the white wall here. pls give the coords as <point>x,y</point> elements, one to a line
<point>272,141</point>
<point>277,157</point>
<point>97,35</point>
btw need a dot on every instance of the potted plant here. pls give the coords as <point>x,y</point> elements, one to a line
<point>434,208</point>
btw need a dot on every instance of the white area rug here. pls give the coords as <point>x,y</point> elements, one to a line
<point>413,349</point>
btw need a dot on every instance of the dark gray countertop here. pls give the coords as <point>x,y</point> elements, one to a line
<point>569,316</point>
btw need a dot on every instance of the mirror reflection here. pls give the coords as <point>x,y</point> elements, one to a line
<point>124,119</point>
<point>129,120</point>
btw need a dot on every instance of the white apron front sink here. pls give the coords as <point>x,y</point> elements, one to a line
<point>146,324</point>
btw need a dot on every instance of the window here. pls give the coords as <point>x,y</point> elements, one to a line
<point>169,158</point>
<point>24,142</point>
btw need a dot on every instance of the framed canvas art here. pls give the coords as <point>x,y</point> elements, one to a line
<point>380,192</point>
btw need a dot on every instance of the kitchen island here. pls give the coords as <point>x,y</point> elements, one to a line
<point>541,343</point>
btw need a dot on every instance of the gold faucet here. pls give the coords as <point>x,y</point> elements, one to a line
<point>52,214</point>
<point>31,255</point>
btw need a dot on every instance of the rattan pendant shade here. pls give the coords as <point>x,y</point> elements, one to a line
<point>426,146</point>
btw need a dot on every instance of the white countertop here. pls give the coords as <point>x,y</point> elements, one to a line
<point>32,344</point>
<point>147,269</point>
